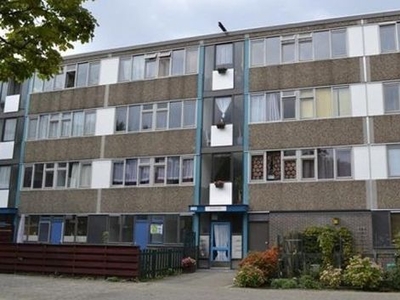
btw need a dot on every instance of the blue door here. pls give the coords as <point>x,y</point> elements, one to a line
<point>141,235</point>
<point>56,231</point>
<point>221,242</point>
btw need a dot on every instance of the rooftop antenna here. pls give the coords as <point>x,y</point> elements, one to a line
<point>220,25</point>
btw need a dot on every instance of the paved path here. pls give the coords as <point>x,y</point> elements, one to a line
<point>204,284</point>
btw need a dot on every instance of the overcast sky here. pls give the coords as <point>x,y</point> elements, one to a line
<point>134,22</point>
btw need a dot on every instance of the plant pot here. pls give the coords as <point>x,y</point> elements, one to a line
<point>220,125</point>
<point>219,184</point>
<point>189,269</point>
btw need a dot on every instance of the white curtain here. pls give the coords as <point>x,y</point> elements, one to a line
<point>118,173</point>
<point>90,122</point>
<point>73,176</point>
<point>273,111</point>
<point>86,172</point>
<point>173,170</point>
<point>258,108</point>
<point>187,170</point>
<point>77,124</point>
<point>221,238</point>
<point>223,104</point>
<point>131,172</point>
<point>5,177</point>
<point>144,174</point>
<point>224,54</point>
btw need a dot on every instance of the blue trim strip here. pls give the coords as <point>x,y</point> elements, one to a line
<point>246,123</point>
<point>199,129</point>
<point>218,208</point>
<point>8,211</point>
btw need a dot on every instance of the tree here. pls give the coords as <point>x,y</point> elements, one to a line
<point>33,32</point>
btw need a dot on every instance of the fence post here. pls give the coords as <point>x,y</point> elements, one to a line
<point>153,263</point>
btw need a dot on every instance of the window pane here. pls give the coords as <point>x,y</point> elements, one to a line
<point>48,85</point>
<point>257,53</point>
<point>32,128</point>
<point>59,80</point>
<point>224,54</point>
<point>273,50</point>
<point>43,126</point>
<point>90,122</point>
<point>10,126</point>
<point>342,102</point>
<point>258,108</point>
<point>305,49</point>
<point>325,163</point>
<point>114,229</point>
<point>308,170</point>
<point>70,76</point>
<point>273,165</point>
<point>150,65</point>
<point>81,230</point>
<point>339,44</point>
<point>44,231</point>
<point>289,166</point>
<point>187,170</point>
<point>189,113</point>
<point>49,175</point>
<point>118,173</point>
<point>66,124</point>
<point>131,172</point>
<point>173,170</point>
<point>306,104</point>
<point>37,84</point>
<point>73,174</point>
<point>61,174</point>
<point>159,174</point>
<point>288,54</point>
<point>144,174</point>
<point>257,167</point>
<point>77,123</point>
<point>289,107</point>
<point>134,118</point>
<point>138,67</point>
<point>54,122</point>
<point>175,114</point>
<point>38,176</point>
<point>321,45</point>
<point>125,72</point>
<point>94,73</point>
<point>83,70</point>
<point>120,124</point>
<point>324,103</point>
<point>391,97</point>
<point>191,60</point>
<point>178,62</point>
<point>163,67</point>
<point>394,160</point>
<point>28,176</point>
<point>388,37</point>
<point>147,120</point>
<point>5,177</point>
<point>343,161</point>
<point>86,175</point>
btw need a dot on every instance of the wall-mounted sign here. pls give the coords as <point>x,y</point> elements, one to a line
<point>156,229</point>
<point>236,247</point>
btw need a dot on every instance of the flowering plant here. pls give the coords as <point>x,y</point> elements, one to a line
<point>219,184</point>
<point>188,262</point>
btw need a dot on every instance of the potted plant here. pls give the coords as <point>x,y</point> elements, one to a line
<point>188,265</point>
<point>219,184</point>
<point>221,124</point>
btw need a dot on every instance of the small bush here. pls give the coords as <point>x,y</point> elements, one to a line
<point>392,278</point>
<point>266,261</point>
<point>249,276</point>
<point>362,273</point>
<point>331,277</point>
<point>308,282</point>
<point>284,283</point>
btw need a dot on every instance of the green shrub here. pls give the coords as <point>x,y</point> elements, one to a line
<point>284,283</point>
<point>362,273</point>
<point>308,282</point>
<point>249,276</point>
<point>331,277</point>
<point>392,278</point>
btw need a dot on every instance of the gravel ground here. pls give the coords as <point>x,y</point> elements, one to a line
<point>204,284</point>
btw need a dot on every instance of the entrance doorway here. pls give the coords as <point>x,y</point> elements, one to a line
<point>220,255</point>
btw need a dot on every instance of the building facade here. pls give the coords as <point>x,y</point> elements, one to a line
<point>241,137</point>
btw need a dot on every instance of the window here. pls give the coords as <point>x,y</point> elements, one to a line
<point>66,124</point>
<point>77,123</point>
<point>150,65</point>
<point>273,51</point>
<point>224,55</point>
<point>86,175</point>
<point>5,172</point>
<point>54,125</point>
<point>75,229</point>
<point>189,113</point>
<point>394,160</point>
<point>289,104</point>
<point>324,103</point>
<point>134,118</point>
<point>32,131</point>
<point>321,45</point>
<point>125,66</point>
<point>61,175</point>
<point>120,119</point>
<point>59,80</point>
<point>164,64</point>
<point>288,49</point>
<point>10,127</point>
<point>342,101</point>
<point>265,108</point>
<point>387,35</point>
<point>175,114</point>
<point>138,67</point>
<point>90,122</point>
<point>153,171</point>
<point>147,117</point>
<point>82,74</point>
<point>161,115</point>
<point>339,45</point>
<point>191,60</point>
<point>94,73</point>
<point>43,126</point>
<point>257,53</point>
<point>391,97</point>
<point>73,174</point>
<point>306,104</point>
<point>49,175</point>
<point>304,164</point>
<point>178,62</point>
<point>38,176</point>
<point>305,47</point>
<point>28,172</point>
<point>70,75</point>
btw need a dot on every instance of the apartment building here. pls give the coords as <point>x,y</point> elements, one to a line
<point>241,137</point>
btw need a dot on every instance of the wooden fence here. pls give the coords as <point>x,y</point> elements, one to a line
<point>92,260</point>
<point>160,262</point>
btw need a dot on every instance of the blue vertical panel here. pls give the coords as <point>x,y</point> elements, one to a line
<point>56,231</point>
<point>246,78</point>
<point>141,235</point>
